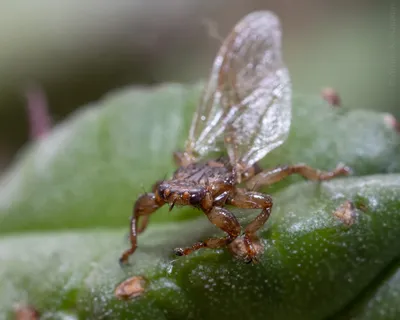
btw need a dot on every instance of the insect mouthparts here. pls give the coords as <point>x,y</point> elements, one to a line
<point>171,206</point>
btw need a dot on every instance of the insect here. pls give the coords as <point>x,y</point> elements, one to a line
<point>245,110</point>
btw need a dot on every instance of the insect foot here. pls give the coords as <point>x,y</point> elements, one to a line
<point>246,250</point>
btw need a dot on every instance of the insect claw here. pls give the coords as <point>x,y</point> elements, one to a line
<point>123,264</point>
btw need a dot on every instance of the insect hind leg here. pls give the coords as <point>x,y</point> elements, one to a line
<point>223,219</point>
<point>269,177</point>
<point>252,200</point>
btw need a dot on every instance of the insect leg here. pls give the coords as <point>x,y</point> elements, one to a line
<point>224,220</point>
<point>252,200</point>
<point>269,177</point>
<point>144,206</point>
<point>144,221</point>
<point>220,200</point>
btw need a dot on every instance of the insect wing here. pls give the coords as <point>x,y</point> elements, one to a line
<point>247,100</point>
<point>208,121</point>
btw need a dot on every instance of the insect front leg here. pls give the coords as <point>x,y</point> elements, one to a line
<point>144,206</point>
<point>252,200</point>
<point>224,220</point>
<point>270,177</point>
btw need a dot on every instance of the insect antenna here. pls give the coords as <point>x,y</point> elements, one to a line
<point>212,29</point>
<point>171,206</point>
<point>163,179</point>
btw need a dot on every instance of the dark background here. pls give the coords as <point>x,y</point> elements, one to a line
<point>76,51</point>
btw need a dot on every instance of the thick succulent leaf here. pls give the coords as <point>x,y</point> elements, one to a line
<point>313,265</point>
<point>91,168</point>
<point>380,301</point>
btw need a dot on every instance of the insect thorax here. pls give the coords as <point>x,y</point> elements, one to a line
<point>206,173</point>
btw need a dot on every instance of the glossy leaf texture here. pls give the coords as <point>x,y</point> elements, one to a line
<point>65,204</point>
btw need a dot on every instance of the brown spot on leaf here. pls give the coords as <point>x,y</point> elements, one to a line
<point>130,288</point>
<point>26,312</point>
<point>331,96</point>
<point>391,122</point>
<point>346,213</point>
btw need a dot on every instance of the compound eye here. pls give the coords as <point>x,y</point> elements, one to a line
<point>164,191</point>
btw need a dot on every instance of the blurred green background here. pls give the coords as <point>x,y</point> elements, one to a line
<point>76,51</point>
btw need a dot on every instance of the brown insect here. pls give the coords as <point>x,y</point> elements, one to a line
<point>246,111</point>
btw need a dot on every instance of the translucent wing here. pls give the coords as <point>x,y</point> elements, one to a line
<point>247,101</point>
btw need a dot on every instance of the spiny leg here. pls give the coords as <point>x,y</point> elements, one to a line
<point>224,220</point>
<point>252,200</point>
<point>145,205</point>
<point>269,177</point>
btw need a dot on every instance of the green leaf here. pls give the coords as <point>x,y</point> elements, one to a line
<point>380,300</point>
<point>86,174</point>
<point>312,267</point>
<point>92,167</point>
